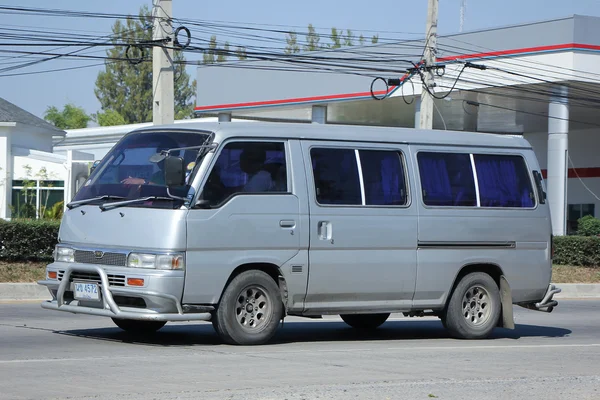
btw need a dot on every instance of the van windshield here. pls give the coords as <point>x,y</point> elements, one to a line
<point>129,172</point>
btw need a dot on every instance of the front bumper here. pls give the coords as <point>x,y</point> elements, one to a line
<point>166,307</point>
<point>547,303</point>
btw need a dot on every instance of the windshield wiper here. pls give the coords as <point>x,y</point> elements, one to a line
<point>116,204</point>
<point>74,204</point>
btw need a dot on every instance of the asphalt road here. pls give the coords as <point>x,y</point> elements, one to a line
<point>46,354</point>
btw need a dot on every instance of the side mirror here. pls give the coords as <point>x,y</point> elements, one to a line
<point>202,204</point>
<point>174,171</point>
<point>94,165</point>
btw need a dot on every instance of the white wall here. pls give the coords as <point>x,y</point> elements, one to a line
<point>5,172</point>
<point>32,138</point>
<point>55,171</point>
<point>584,146</point>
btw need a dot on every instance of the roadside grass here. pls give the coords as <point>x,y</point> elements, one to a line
<point>35,271</point>
<point>569,274</point>
<point>22,271</point>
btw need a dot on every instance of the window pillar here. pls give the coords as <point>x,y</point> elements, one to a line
<point>558,156</point>
<point>417,112</point>
<point>6,175</point>
<point>319,114</point>
<point>224,117</point>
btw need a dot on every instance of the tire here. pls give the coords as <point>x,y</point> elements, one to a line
<point>474,307</point>
<point>365,321</point>
<point>250,309</point>
<point>138,327</point>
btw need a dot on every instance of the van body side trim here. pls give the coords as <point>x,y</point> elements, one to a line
<point>466,245</point>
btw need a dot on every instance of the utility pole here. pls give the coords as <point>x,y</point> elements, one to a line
<point>163,103</point>
<point>426,114</point>
<point>463,10</point>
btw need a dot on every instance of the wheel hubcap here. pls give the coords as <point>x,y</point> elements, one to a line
<point>476,305</point>
<point>253,308</point>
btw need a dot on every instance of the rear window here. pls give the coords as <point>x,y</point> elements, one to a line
<point>503,181</point>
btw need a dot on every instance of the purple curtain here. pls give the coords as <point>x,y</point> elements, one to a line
<point>434,180</point>
<point>503,181</point>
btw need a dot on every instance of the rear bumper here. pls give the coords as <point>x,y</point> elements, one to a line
<point>164,306</point>
<point>547,303</point>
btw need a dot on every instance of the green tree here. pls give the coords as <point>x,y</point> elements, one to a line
<point>336,40</point>
<point>109,118</point>
<point>292,46</point>
<point>375,39</point>
<point>71,117</point>
<point>361,40</point>
<point>312,39</point>
<point>241,53</point>
<point>349,38</point>
<point>126,89</point>
<point>223,53</point>
<point>209,56</point>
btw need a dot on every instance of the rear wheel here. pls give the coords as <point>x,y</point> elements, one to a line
<point>474,307</point>
<point>250,309</point>
<point>138,327</point>
<point>365,321</point>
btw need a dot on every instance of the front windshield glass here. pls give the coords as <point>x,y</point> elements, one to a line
<point>127,171</point>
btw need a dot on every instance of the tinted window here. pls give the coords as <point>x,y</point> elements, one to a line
<point>447,179</point>
<point>503,181</point>
<point>130,171</point>
<point>247,167</point>
<point>383,177</point>
<point>336,176</point>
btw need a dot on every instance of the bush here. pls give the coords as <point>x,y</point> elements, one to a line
<point>588,226</point>
<point>578,251</point>
<point>28,240</point>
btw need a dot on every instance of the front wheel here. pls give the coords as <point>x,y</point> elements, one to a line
<point>250,309</point>
<point>365,321</point>
<point>474,307</point>
<point>137,326</point>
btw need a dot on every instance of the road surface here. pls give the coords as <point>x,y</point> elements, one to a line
<point>54,355</point>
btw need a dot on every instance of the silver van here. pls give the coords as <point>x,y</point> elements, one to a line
<point>242,224</point>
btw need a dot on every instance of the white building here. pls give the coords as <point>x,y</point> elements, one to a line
<point>542,81</point>
<point>27,161</point>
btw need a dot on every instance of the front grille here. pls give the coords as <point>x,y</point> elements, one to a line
<point>92,257</point>
<point>92,277</point>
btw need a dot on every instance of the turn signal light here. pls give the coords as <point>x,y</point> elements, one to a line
<point>135,282</point>
<point>52,275</point>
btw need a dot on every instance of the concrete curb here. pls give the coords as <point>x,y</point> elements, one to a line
<point>33,291</point>
<point>578,290</point>
<point>23,291</point>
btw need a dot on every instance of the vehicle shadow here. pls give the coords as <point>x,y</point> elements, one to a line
<point>307,332</point>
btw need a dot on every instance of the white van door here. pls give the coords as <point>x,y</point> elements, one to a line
<point>363,243</point>
<point>253,217</point>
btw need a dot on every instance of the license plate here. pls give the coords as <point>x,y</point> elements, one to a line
<point>86,291</point>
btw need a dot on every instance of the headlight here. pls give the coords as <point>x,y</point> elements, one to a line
<point>64,254</point>
<point>156,261</point>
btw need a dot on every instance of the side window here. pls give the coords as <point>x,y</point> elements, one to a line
<point>247,167</point>
<point>383,177</point>
<point>503,181</point>
<point>335,172</point>
<point>447,179</point>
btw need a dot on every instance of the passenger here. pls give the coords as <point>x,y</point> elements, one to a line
<point>252,163</point>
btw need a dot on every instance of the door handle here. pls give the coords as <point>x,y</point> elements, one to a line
<point>325,230</point>
<point>287,223</point>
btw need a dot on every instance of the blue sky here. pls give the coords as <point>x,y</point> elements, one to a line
<point>392,18</point>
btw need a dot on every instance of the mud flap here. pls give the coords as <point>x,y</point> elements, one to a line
<point>507,321</point>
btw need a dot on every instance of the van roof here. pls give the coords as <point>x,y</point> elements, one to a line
<point>356,133</point>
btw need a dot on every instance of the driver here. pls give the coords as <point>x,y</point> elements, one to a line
<point>158,177</point>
